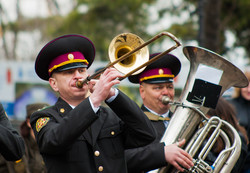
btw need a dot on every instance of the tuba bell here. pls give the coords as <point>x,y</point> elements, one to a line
<point>209,76</point>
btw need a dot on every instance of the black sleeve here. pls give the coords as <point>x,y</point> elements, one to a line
<point>138,129</point>
<point>238,167</point>
<point>11,143</point>
<point>145,158</point>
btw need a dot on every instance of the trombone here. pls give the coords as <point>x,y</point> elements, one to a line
<point>127,51</point>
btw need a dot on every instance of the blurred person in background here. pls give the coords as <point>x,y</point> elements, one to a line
<point>77,134</point>
<point>226,111</point>
<point>19,166</point>
<point>156,81</point>
<point>12,146</point>
<point>32,161</point>
<point>32,153</point>
<point>241,101</point>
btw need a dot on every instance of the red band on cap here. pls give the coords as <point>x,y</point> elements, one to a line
<point>66,59</point>
<point>156,73</point>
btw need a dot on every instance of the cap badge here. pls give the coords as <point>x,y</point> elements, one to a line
<point>161,71</point>
<point>70,56</point>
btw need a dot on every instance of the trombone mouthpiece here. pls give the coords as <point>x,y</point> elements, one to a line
<point>79,84</point>
<point>165,100</point>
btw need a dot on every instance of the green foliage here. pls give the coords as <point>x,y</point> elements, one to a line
<point>132,92</point>
<point>186,31</point>
<point>103,20</point>
<point>236,17</point>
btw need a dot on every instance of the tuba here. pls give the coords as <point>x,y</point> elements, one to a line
<point>209,76</point>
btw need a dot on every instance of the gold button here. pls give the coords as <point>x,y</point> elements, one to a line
<point>97,153</point>
<point>100,168</point>
<point>112,133</point>
<point>62,110</point>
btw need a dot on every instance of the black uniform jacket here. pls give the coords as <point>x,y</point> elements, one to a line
<point>12,145</point>
<point>69,146</point>
<point>149,157</point>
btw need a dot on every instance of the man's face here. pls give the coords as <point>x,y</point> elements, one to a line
<point>65,83</point>
<point>152,94</point>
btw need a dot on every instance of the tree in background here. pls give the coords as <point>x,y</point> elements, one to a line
<point>101,20</point>
<point>236,17</point>
<point>209,34</point>
<point>9,53</point>
<point>210,19</point>
<point>98,20</point>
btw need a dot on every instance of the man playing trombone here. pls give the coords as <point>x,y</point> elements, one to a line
<point>77,134</point>
<point>156,81</point>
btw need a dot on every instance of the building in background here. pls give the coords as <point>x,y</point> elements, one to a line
<point>20,86</point>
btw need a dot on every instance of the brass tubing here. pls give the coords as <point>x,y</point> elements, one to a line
<point>79,84</point>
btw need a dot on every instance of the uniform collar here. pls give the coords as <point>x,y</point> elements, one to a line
<point>166,114</point>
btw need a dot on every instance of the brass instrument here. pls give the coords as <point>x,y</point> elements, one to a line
<point>129,55</point>
<point>166,100</point>
<point>198,96</point>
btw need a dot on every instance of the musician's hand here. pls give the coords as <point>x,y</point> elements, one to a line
<point>92,88</point>
<point>177,156</point>
<point>102,89</point>
<point>91,84</point>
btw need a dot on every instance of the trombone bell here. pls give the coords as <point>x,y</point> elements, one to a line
<point>124,43</point>
<point>129,55</point>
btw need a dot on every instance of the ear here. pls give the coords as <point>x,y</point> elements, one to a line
<point>53,83</point>
<point>142,91</point>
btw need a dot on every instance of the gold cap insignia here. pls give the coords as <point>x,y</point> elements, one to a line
<point>161,71</point>
<point>70,56</point>
<point>41,122</point>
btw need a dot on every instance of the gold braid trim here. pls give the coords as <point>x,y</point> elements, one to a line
<point>154,117</point>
